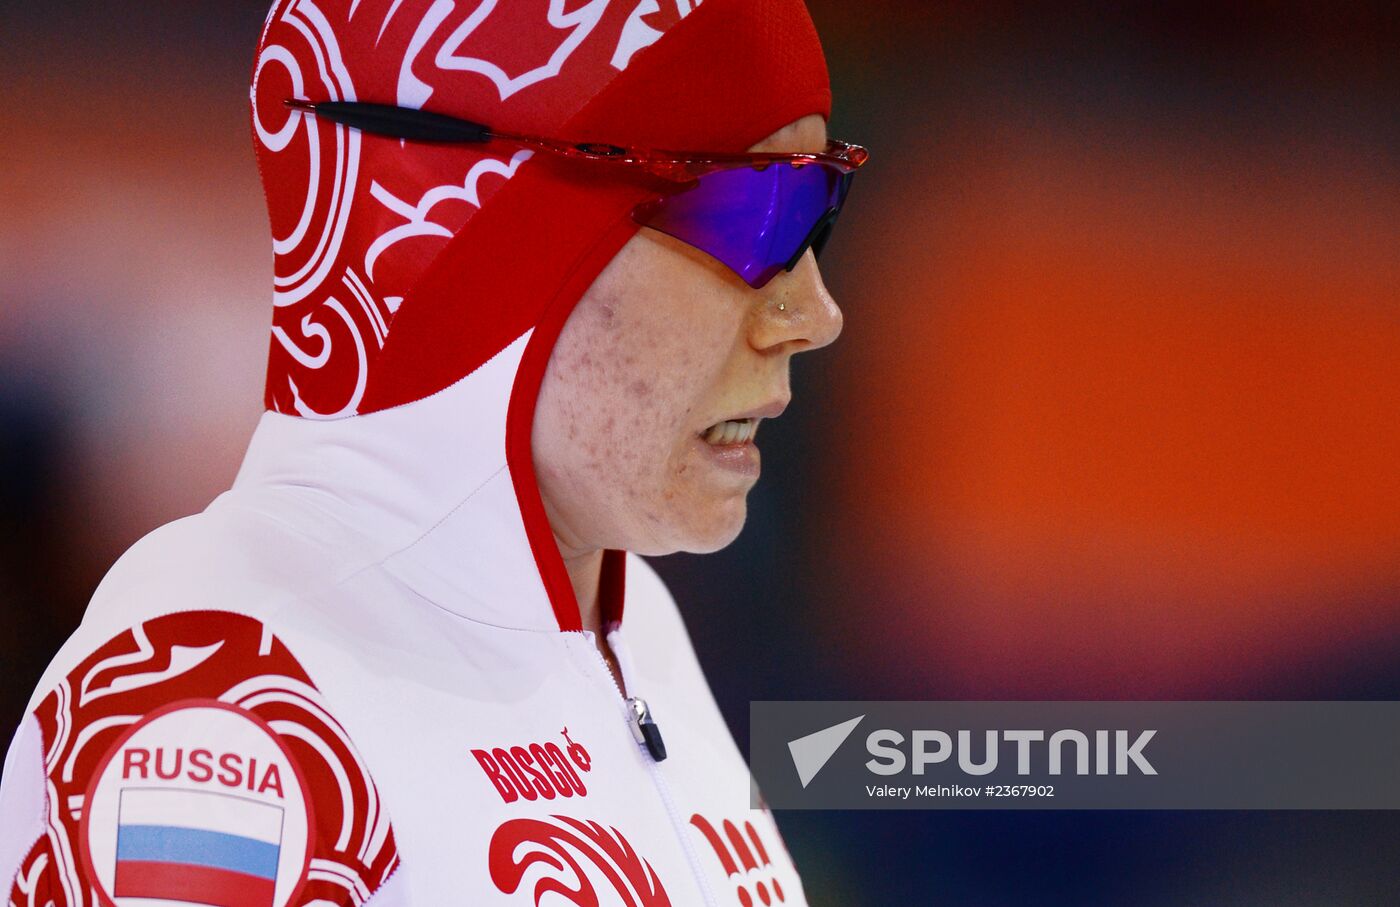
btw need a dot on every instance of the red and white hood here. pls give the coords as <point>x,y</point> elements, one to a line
<point>440,276</point>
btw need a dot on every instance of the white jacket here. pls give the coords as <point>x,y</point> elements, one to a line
<point>344,683</point>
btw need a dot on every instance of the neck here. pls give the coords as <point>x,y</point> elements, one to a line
<point>585,569</point>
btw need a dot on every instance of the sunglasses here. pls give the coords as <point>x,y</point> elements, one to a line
<point>756,213</point>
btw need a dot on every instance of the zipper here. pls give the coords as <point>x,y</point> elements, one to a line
<point>647,735</point>
<point>645,730</point>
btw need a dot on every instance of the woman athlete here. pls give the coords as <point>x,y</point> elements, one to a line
<point>540,269</point>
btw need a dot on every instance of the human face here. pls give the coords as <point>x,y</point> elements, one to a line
<point>665,366</point>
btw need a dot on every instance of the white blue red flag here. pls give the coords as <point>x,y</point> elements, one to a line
<point>197,848</point>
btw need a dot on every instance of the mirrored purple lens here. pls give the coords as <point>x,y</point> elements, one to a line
<point>755,221</point>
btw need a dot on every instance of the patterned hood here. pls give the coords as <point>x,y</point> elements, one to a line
<point>419,288</point>
<point>400,267</point>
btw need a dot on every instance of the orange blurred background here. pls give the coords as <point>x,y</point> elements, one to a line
<point>1138,420</point>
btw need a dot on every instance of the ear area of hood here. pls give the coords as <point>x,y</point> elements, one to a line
<point>519,444</point>
<point>494,280</point>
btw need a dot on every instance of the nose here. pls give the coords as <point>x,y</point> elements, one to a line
<point>797,310</point>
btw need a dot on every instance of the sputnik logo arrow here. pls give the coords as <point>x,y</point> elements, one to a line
<point>811,753</point>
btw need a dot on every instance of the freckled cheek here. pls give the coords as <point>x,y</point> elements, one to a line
<point>631,413</point>
<point>622,446</point>
<point>646,397</point>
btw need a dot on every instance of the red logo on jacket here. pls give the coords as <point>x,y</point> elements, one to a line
<point>744,864</point>
<point>536,770</point>
<point>573,859</point>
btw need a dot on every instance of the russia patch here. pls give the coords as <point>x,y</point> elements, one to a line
<point>190,760</point>
<point>199,803</point>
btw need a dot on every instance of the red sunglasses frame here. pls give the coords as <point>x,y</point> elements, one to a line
<point>673,166</point>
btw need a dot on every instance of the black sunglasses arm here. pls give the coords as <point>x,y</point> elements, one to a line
<point>396,122</point>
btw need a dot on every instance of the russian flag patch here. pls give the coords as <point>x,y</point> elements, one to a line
<point>190,761</point>
<point>204,848</point>
<point>199,803</point>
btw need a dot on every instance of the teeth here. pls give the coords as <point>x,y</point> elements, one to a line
<point>732,432</point>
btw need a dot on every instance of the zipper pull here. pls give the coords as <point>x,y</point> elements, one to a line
<point>645,729</point>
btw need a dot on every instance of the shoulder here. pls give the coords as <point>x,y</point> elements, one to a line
<point>227,556</point>
<point>645,588</point>
<point>660,643</point>
<point>224,559</point>
<point>643,580</point>
<point>650,610</point>
<point>188,752</point>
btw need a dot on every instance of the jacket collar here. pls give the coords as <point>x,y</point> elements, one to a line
<point>423,490</point>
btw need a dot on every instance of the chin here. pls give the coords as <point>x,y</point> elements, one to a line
<point>721,530</point>
<point>702,533</point>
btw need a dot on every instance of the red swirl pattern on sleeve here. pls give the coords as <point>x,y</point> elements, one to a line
<point>192,758</point>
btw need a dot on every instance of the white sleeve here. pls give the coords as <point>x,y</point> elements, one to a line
<point>23,800</point>
<point>393,893</point>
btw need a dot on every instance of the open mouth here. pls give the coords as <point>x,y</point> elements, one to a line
<point>731,431</point>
